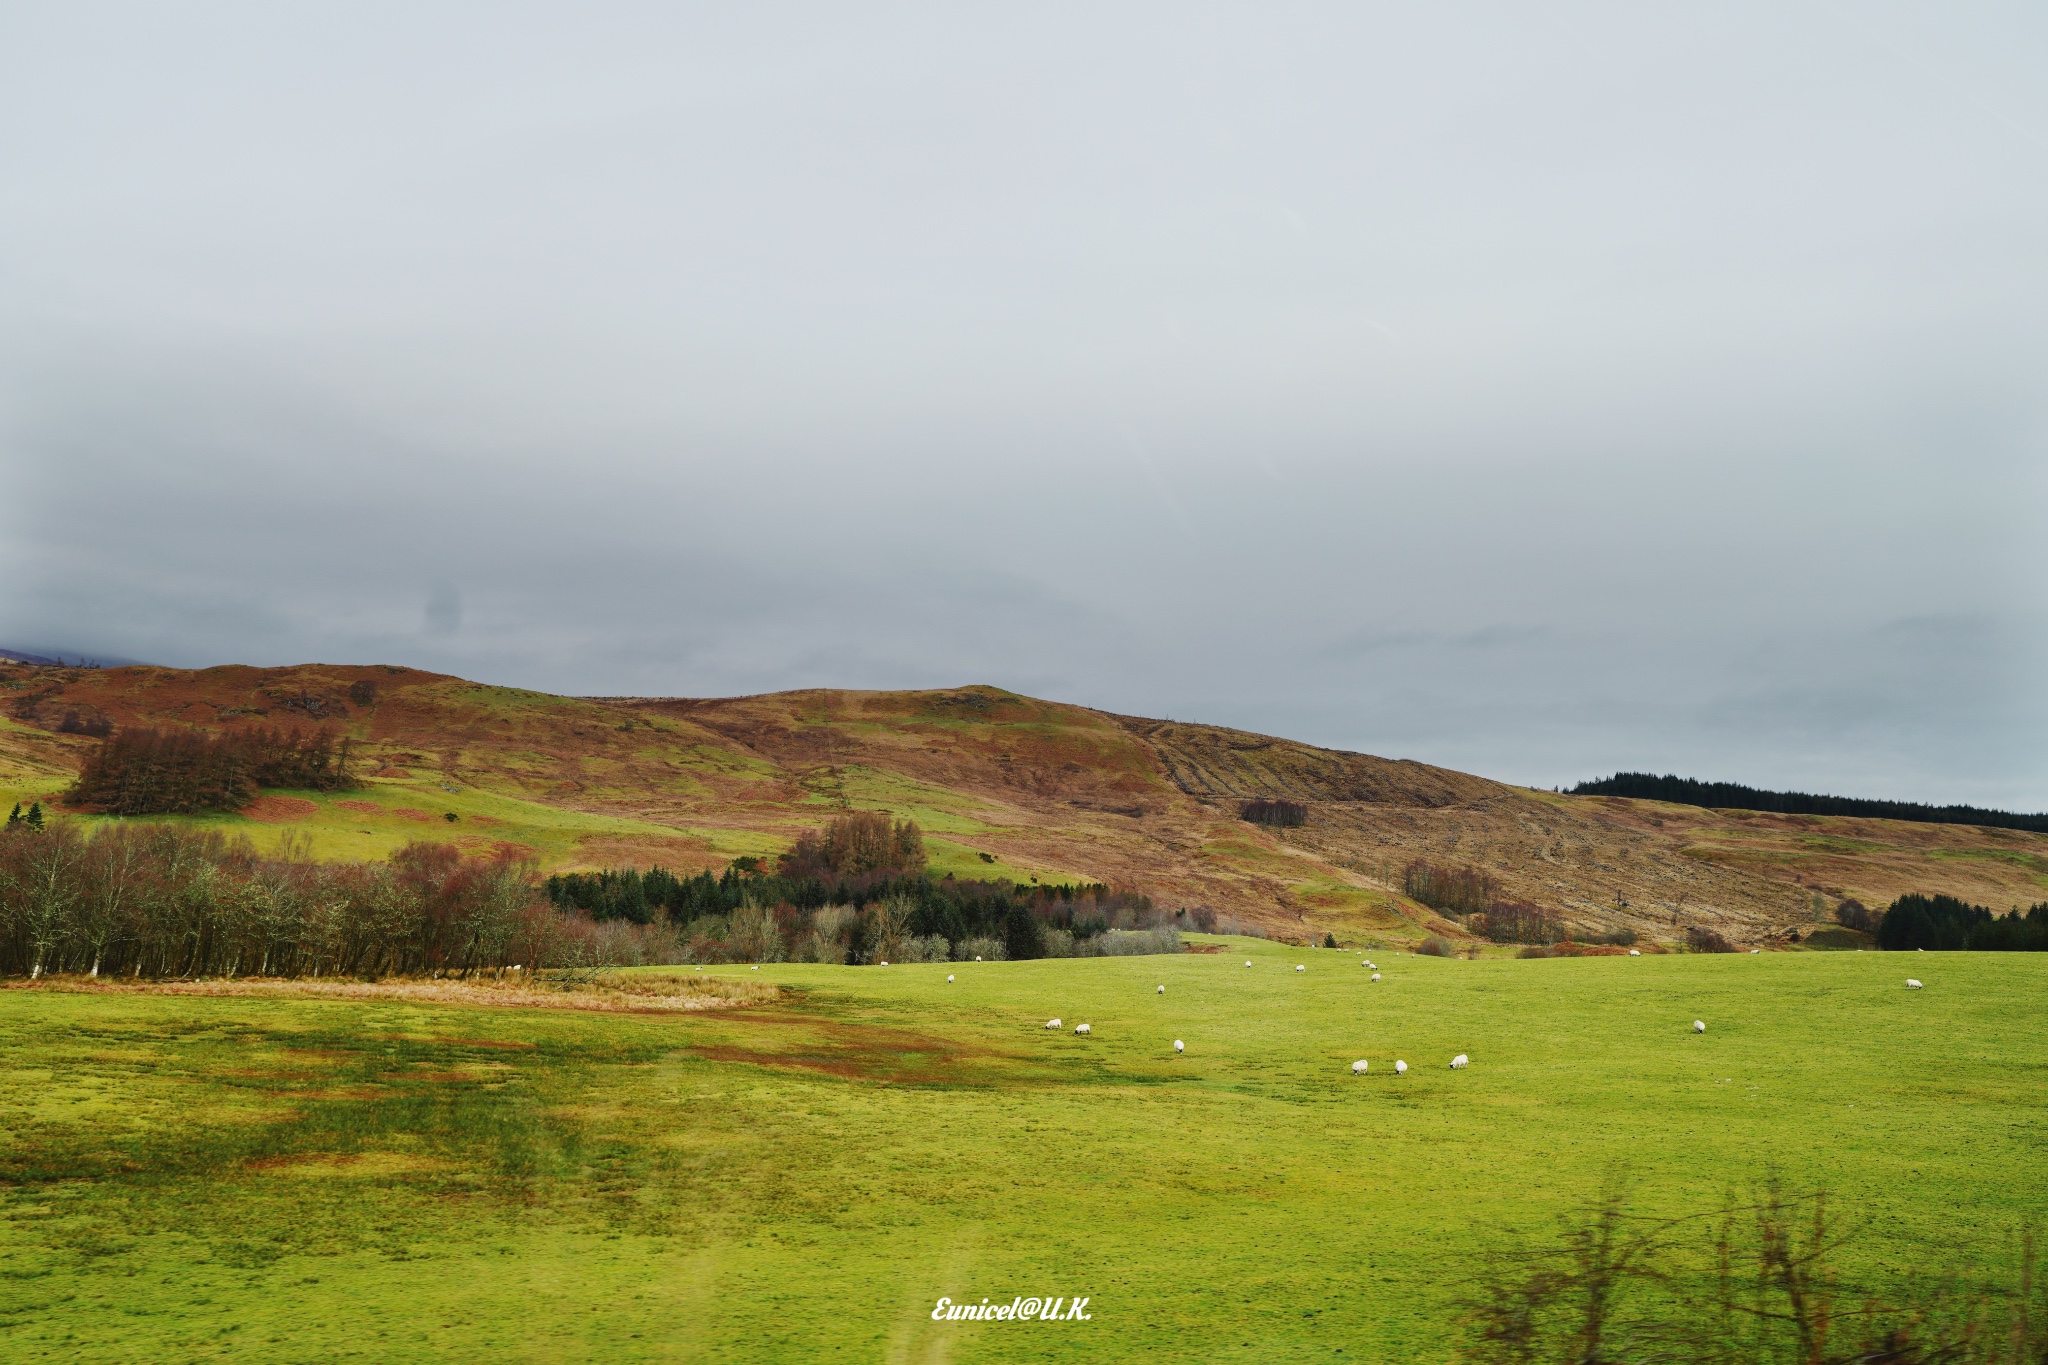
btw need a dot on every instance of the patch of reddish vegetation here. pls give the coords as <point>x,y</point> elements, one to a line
<point>484,820</point>
<point>392,772</point>
<point>412,813</point>
<point>505,848</point>
<point>360,807</point>
<point>1203,947</point>
<point>278,810</point>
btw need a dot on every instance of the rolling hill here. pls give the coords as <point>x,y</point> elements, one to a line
<point>1004,786</point>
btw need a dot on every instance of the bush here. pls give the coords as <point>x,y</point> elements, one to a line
<point>1703,940</point>
<point>1854,914</point>
<point>1434,946</point>
<point>1537,950</point>
<point>1329,940</point>
<point>987,949</point>
<point>1129,943</point>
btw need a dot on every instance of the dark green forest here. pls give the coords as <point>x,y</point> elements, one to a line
<point>1686,791</point>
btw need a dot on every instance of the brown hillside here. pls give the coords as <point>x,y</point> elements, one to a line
<point>1010,785</point>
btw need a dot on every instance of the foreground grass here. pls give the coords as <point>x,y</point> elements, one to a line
<point>300,1179</point>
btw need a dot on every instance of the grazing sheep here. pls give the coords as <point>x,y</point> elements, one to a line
<point>1699,1026</point>
<point>1375,976</point>
<point>1179,1046</point>
<point>885,964</point>
<point>949,978</point>
<point>1299,967</point>
<point>756,969</point>
<point>1635,952</point>
<point>1755,950</point>
<point>1052,1023</point>
<point>1358,1068</point>
<point>1460,1062</point>
<point>1400,1068</point>
<point>1247,962</point>
<point>977,959</point>
<point>1081,1029</point>
<point>1911,984</point>
<point>1162,990</point>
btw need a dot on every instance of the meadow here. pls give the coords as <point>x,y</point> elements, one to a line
<point>197,1177</point>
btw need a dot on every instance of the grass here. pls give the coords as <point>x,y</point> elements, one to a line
<point>291,1179</point>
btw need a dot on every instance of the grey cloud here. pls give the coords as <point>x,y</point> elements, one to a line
<point>1535,392</point>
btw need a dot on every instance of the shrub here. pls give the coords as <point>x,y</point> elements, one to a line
<point>1329,940</point>
<point>1434,946</point>
<point>1279,813</point>
<point>1854,914</point>
<point>1537,950</point>
<point>1129,943</point>
<point>1703,940</point>
<point>987,949</point>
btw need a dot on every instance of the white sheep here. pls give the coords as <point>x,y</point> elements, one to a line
<point>1699,1026</point>
<point>977,959</point>
<point>1052,1023</point>
<point>949,978</point>
<point>1247,962</point>
<point>1400,1068</point>
<point>1911,984</point>
<point>1460,1062</point>
<point>1375,976</point>
<point>1635,952</point>
<point>1179,1046</point>
<point>1162,990</point>
<point>1358,1068</point>
<point>756,969</point>
<point>885,964</point>
<point>1300,967</point>
<point>1081,1029</point>
<point>1754,951</point>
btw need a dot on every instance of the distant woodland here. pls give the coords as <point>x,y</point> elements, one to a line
<point>1686,791</point>
<point>185,772</point>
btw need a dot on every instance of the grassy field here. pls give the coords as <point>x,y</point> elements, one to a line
<point>193,1178</point>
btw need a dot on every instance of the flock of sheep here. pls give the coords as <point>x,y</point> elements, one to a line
<point>1358,1068</point>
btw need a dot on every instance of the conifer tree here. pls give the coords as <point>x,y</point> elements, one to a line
<point>14,816</point>
<point>35,817</point>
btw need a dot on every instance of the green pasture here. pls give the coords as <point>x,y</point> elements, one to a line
<point>198,1178</point>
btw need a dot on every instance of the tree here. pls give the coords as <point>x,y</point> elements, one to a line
<point>35,817</point>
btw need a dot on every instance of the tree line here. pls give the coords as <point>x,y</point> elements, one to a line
<point>186,772</point>
<point>1948,924</point>
<point>1686,791</point>
<point>856,891</point>
<point>160,901</point>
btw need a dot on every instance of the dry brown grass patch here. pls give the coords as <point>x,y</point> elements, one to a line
<point>619,993</point>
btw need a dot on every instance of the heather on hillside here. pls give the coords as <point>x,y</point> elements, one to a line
<point>184,772</point>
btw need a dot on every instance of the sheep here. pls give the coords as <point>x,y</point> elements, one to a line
<point>1375,976</point>
<point>1358,1068</point>
<point>1911,984</point>
<point>1699,1026</point>
<point>1300,967</point>
<point>949,978</point>
<point>1179,1046</point>
<point>885,964</point>
<point>977,959</point>
<point>1081,1029</point>
<point>1247,962</point>
<point>1460,1062</point>
<point>1635,952</point>
<point>1755,951</point>
<point>1400,1067</point>
<point>756,969</point>
<point>1162,990</point>
<point>1052,1023</point>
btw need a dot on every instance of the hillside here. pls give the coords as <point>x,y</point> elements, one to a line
<point>1005,786</point>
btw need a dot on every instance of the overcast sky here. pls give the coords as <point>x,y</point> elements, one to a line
<point>1537,390</point>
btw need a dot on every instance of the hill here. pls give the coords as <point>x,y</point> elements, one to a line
<point>1004,786</point>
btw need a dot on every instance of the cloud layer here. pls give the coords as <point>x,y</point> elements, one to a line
<point>1535,393</point>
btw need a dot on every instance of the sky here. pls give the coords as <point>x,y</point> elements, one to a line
<point>1539,391</point>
